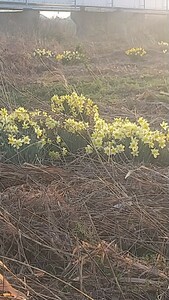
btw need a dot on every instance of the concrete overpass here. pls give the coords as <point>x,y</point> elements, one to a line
<point>88,15</point>
<point>144,6</point>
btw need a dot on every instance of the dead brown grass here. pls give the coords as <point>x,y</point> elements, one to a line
<point>89,231</point>
<point>86,230</point>
<point>18,66</point>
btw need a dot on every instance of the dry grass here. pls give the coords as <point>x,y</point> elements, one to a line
<point>86,229</point>
<point>90,231</point>
<point>18,66</point>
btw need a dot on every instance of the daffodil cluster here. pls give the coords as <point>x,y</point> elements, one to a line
<point>70,57</point>
<point>34,131</point>
<point>164,46</point>
<point>67,57</point>
<point>79,107</point>
<point>124,136</point>
<point>136,52</point>
<point>43,53</point>
<point>26,133</point>
<point>74,123</point>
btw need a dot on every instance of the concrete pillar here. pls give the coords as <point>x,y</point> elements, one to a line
<point>103,25</point>
<point>20,23</point>
<point>93,24</point>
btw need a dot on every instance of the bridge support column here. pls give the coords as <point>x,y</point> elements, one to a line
<point>90,23</point>
<point>25,22</point>
<point>102,25</point>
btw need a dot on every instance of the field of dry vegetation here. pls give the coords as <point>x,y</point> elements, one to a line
<point>85,227</point>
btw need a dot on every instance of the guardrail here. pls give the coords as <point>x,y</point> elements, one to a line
<point>73,5</point>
